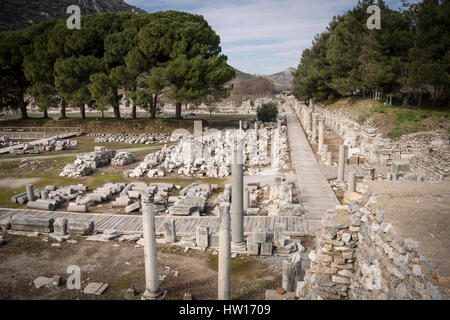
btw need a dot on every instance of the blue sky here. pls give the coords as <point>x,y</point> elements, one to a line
<point>262,36</point>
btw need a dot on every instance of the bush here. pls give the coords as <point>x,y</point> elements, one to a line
<point>267,112</point>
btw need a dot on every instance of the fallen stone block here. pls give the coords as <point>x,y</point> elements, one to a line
<point>42,282</point>
<point>5,223</point>
<point>44,205</point>
<point>33,224</point>
<point>95,288</point>
<point>252,248</point>
<point>266,249</point>
<point>80,228</point>
<point>213,239</point>
<point>110,234</point>
<point>252,211</point>
<point>73,207</point>
<point>133,207</point>
<point>60,226</point>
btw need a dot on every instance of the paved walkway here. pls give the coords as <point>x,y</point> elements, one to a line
<point>129,224</point>
<point>315,191</point>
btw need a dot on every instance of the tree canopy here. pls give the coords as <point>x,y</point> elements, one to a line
<point>407,58</point>
<point>114,54</point>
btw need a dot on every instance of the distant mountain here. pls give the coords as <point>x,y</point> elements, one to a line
<point>282,80</point>
<point>17,14</point>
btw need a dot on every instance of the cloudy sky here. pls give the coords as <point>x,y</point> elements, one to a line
<point>261,36</point>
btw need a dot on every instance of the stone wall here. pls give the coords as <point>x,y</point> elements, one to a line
<point>426,153</point>
<point>360,256</point>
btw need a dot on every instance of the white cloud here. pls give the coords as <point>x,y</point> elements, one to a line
<point>261,36</point>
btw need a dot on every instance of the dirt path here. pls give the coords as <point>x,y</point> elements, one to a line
<point>121,265</point>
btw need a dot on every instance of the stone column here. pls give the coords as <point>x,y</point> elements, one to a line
<point>44,194</point>
<point>30,192</point>
<point>329,158</point>
<point>256,129</point>
<point>237,203</point>
<point>246,199</point>
<point>324,151</point>
<point>321,132</point>
<point>351,183</point>
<point>224,268</point>
<point>341,163</point>
<point>152,289</point>
<point>314,128</point>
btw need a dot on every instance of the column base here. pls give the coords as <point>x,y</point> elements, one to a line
<point>148,295</point>
<point>239,247</point>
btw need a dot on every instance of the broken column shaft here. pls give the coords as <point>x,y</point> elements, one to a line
<point>237,201</point>
<point>224,269</point>
<point>30,192</point>
<point>351,183</point>
<point>152,289</point>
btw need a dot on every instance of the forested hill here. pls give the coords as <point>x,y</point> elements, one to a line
<point>407,60</point>
<point>18,14</point>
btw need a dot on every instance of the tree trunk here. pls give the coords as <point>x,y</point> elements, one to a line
<point>103,113</point>
<point>23,106</point>
<point>178,110</point>
<point>63,109</point>
<point>133,111</point>
<point>116,112</point>
<point>405,101</point>
<point>420,99</point>
<point>45,114</point>
<point>155,101</point>
<point>434,97</point>
<point>83,112</point>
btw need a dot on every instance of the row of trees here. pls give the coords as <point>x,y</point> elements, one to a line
<point>113,54</point>
<point>253,88</point>
<point>408,57</point>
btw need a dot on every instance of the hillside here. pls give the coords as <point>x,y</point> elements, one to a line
<point>17,14</point>
<point>393,121</point>
<point>282,80</point>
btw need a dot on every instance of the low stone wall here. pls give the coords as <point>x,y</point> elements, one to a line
<point>360,256</point>
<point>426,153</point>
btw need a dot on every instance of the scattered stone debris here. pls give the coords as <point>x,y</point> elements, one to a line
<point>95,288</point>
<point>52,144</point>
<point>86,163</point>
<point>122,159</point>
<point>145,138</point>
<point>47,282</point>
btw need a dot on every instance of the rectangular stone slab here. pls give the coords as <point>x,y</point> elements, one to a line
<point>32,224</point>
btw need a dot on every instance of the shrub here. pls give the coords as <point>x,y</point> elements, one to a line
<point>267,112</point>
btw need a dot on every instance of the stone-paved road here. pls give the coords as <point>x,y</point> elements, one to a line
<point>315,191</point>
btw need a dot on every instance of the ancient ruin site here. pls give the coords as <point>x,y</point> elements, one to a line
<point>134,171</point>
